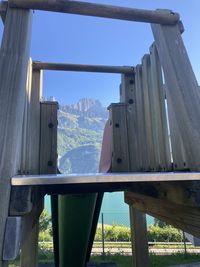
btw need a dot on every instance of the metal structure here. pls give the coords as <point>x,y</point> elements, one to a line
<point>157,181</point>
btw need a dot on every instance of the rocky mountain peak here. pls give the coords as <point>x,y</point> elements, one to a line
<point>86,107</point>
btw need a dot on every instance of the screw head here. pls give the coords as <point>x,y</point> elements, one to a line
<point>50,125</point>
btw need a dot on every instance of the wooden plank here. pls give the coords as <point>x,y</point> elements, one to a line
<point>182,216</point>
<point>81,67</point>
<point>21,199</point>
<point>137,219</point>
<point>14,56</point>
<point>48,139</point>
<point>149,154</point>
<point>182,92</point>
<point>48,160</point>
<point>158,114</point>
<point>120,150</point>
<point>121,162</point>
<point>31,163</point>
<point>99,10</point>
<point>140,120</point>
<point>128,96</point>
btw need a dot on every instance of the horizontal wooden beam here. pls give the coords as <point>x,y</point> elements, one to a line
<point>99,10</point>
<point>80,67</point>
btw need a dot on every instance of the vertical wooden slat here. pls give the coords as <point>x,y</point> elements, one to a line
<point>182,93</point>
<point>148,130</point>
<point>48,139</point>
<point>119,142</point>
<point>128,96</point>
<point>30,161</point>
<point>140,120</point>
<point>158,114</point>
<point>137,219</point>
<point>48,159</point>
<point>14,56</point>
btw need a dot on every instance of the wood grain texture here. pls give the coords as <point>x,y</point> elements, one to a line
<point>182,93</point>
<point>149,154</point>
<point>182,216</point>
<point>119,141</point>
<point>139,237</point>
<point>48,160</point>
<point>140,120</point>
<point>137,219</point>
<point>99,10</point>
<point>158,114</point>
<point>48,137</point>
<point>30,163</point>
<point>128,96</point>
<point>121,161</point>
<point>14,56</point>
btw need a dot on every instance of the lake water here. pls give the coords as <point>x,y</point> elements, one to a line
<point>114,210</point>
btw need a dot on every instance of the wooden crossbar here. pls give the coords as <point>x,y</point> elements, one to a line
<point>81,67</point>
<point>99,10</point>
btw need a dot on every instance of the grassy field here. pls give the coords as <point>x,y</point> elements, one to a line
<point>125,261</point>
<point>156,261</point>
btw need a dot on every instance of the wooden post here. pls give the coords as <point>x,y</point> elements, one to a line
<point>14,57</point>
<point>139,238</point>
<point>29,252</point>
<point>137,218</point>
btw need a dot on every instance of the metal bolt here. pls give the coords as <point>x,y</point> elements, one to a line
<point>117,125</point>
<point>50,125</point>
<point>130,101</point>
<point>119,160</point>
<point>50,163</point>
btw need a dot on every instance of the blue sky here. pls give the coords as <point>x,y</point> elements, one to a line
<point>79,39</point>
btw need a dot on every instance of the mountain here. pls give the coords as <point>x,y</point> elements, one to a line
<point>80,131</point>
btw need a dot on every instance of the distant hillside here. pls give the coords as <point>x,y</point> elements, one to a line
<point>80,130</point>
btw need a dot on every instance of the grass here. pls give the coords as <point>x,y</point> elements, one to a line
<point>125,261</point>
<point>155,261</point>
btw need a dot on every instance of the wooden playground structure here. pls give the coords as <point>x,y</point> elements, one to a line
<point>155,134</point>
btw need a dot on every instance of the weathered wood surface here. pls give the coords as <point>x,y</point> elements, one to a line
<point>175,203</point>
<point>12,239</point>
<point>119,144</point>
<point>137,219</point>
<point>48,139</point>
<point>182,93</point>
<point>99,10</point>
<point>81,67</point>
<point>14,56</point>
<point>139,237</point>
<point>48,160</point>
<point>158,114</point>
<point>178,211</point>
<point>127,96</point>
<point>121,151</point>
<point>30,164</point>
